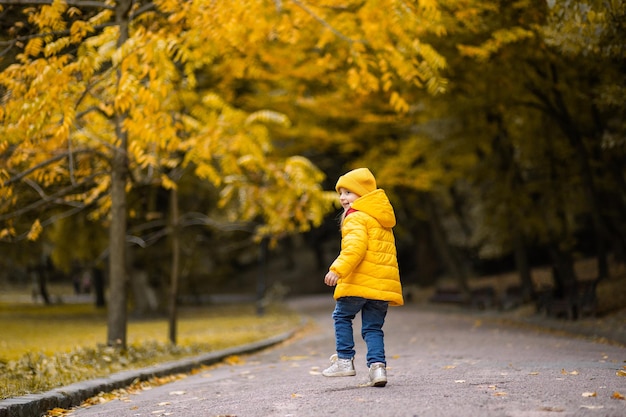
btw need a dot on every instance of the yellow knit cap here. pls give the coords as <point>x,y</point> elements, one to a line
<point>360,181</point>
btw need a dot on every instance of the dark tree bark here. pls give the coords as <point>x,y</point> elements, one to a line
<point>117,312</point>
<point>98,286</point>
<point>557,109</point>
<point>447,253</point>
<point>175,275</point>
<point>524,270</point>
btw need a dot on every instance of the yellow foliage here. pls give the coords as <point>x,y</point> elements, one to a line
<point>63,102</point>
<point>6,233</point>
<point>398,103</point>
<point>35,230</point>
<point>79,30</point>
<point>500,38</point>
<point>268,116</point>
<point>167,183</point>
<point>33,47</point>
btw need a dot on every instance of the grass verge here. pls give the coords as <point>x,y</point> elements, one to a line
<point>44,347</point>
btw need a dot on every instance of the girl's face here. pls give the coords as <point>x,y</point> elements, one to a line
<point>346,198</point>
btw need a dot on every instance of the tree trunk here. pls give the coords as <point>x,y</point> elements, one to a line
<point>564,274</point>
<point>145,301</point>
<point>39,278</point>
<point>507,167</point>
<point>448,256</point>
<point>175,236</point>
<point>262,277</point>
<point>427,264</point>
<point>523,267</point>
<point>116,325</point>
<point>98,286</point>
<point>117,247</point>
<point>601,229</point>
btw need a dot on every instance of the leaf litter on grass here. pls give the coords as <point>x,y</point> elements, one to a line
<point>45,347</point>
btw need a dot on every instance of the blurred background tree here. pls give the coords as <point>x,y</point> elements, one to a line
<point>497,128</point>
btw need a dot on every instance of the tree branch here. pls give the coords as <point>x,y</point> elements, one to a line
<point>46,200</point>
<point>325,23</point>
<point>199,219</point>
<point>10,44</point>
<point>143,9</point>
<point>532,105</point>
<point>76,3</point>
<point>42,164</point>
<point>52,220</point>
<point>186,220</point>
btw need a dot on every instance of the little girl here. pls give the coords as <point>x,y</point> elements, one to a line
<point>365,274</point>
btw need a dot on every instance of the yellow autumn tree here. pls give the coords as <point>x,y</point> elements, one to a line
<point>527,148</point>
<point>103,93</point>
<point>93,105</point>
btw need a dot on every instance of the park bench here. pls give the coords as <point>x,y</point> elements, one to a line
<point>483,297</point>
<point>513,297</point>
<point>448,295</point>
<point>580,302</point>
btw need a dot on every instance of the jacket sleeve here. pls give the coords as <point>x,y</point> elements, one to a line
<point>353,246</point>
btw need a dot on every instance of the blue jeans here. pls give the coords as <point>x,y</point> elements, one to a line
<point>373,314</point>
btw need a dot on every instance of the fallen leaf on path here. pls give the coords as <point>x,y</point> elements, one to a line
<point>293,358</point>
<point>164,403</point>
<point>294,395</point>
<point>592,407</point>
<point>459,381</point>
<point>57,412</point>
<point>104,397</point>
<point>590,394</point>
<point>449,367</point>
<point>534,373</point>
<point>499,394</point>
<point>617,396</point>
<point>234,360</point>
<point>564,372</point>
<point>552,409</point>
<point>620,373</point>
<point>178,392</point>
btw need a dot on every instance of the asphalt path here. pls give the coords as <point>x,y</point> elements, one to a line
<point>439,364</point>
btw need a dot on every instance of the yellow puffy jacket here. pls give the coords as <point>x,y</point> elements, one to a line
<point>367,265</point>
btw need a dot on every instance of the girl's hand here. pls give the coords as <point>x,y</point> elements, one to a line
<point>331,279</point>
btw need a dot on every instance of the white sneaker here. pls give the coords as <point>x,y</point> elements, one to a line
<point>378,374</point>
<point>340,367</point>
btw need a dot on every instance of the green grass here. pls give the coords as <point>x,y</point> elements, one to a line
<point>44,347</point>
